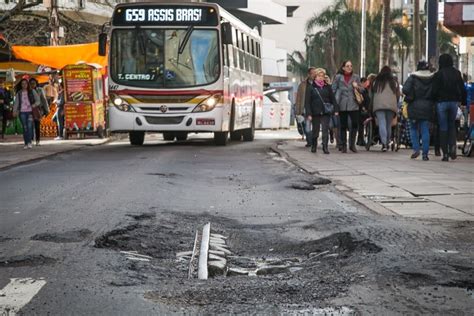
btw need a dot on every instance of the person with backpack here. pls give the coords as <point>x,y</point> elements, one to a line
<point>417,90</point>
<point>44,108</point>
<point>448,92</point>
<point>26,100</point>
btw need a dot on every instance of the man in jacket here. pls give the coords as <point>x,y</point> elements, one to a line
<point>418,90</point>
<point>448,92</point>
<point>301,95</point>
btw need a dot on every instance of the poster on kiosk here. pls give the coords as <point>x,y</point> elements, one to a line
<point>84,110</point>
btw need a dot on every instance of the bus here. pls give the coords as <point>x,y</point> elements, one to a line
<point>182,68</point>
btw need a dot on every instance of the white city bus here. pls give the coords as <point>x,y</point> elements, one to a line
<point>181,68</point>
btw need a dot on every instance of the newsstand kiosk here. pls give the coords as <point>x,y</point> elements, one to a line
<point>84,108</point>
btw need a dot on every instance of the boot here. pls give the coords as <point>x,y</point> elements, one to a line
<point>443,139</point>
<point>314,146</point>
<point>325,149</point>
<point>343,142</point>
<point>452,144</point>
<point>352,140</point>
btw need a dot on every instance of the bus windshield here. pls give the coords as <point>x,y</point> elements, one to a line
<point>150,58</point>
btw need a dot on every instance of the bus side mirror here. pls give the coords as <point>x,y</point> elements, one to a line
<point>226,32</point>
<point>102,44</point>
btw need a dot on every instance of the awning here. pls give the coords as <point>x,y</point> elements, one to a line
<point>60,56</point>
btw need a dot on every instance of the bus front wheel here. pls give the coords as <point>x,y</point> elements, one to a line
<point>136,138</point>
<point>249,133</point>
<point>220,138</point>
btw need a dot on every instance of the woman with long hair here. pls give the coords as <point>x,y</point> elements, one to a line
<point>386,93</point>
<point>44,107</point>
<point>25,100</point>
<point>343,87</point>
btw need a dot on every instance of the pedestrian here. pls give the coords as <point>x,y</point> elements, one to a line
<point>418,90</point>
<point>26,100</point>
<point>301,95</point>
<point>385,95</point>
<point>319,106</point>
<point>59,115</point>
<point>364,107</point>
<point>44,108</point>
<point>51,91</point>
<point>448,92</point>
<point>343,87</point>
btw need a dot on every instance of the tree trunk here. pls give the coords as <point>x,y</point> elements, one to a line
<point>385,35</point>
<point>416,31</point>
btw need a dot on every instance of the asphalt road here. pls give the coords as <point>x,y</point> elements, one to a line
<point>64,220</point>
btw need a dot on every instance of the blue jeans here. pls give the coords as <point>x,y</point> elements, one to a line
<point>447,115</point>
<point>384,121</point>
<point>424,127</point>
<point>26,119</point>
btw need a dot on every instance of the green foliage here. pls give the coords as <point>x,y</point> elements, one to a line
<point>338,38</point>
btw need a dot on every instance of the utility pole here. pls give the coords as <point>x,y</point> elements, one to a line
<point>363,38</point>
<point>416,31</point>
<point>432,33</point>
<point>52,6</point>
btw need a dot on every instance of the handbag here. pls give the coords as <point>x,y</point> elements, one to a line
<point>328,108</point>
<point>358,97</point>
<point>36,113</point>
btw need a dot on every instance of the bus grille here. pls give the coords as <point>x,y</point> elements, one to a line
<point>163,99</point>
<point>164,120</point>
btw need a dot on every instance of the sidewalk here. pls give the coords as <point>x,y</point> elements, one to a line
<point>12,152</point>
<point>392,183</point>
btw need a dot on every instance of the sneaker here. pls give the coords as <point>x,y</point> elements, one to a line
<point>307,145</point>
<point>29,146</point>
<point>25,147</point>
<point>425,158</point>
<point>384,148</point>
<point>38,143</point>
<point>58,138</point>
<point>415,155</point>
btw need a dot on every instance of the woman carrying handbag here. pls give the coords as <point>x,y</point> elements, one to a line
<point>26,106</point>
<point>320,105</point>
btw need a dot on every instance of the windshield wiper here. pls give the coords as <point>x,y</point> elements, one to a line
<point>141,41</point>
<point>183,44</point>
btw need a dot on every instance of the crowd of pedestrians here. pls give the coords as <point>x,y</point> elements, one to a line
<point>31,103</point>
<point>338,109</point>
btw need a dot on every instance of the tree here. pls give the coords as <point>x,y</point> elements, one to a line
<point>416,31</point>
<point>329,18</point>
<point>21,6</point>
<point>385,35</point>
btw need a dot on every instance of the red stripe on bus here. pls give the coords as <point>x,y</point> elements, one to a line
<point>169,92</point>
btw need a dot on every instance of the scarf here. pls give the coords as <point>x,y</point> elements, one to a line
<point>319,83</point>
<point>347,77</point>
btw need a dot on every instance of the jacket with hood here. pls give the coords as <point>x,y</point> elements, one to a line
<point>418,93</point>
<point>447,82</point>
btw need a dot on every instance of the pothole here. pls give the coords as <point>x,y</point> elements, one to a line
<point>309,183</point>
<point>64,237</point>
<point>142,216</point>
<point>163,175</point>
<point>3,238</point>
<point>26,261</point>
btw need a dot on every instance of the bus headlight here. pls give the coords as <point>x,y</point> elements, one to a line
<point>121,104</point>
<point>208,104</point>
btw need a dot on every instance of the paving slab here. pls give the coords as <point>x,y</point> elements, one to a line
<point>404,186</point>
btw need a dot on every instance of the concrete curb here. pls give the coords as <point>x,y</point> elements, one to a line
<point>367,203</point>
<point>53,154</point>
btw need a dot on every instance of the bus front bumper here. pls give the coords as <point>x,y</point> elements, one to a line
<point>212,121</point>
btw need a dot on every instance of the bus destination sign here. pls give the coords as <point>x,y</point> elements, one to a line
<point>165,15</point>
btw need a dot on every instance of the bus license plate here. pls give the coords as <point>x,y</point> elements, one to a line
<point>205,122</point>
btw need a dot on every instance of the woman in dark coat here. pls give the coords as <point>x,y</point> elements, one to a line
<point>320,93</point>
<point>418,90</point>
<point>448,92</point>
